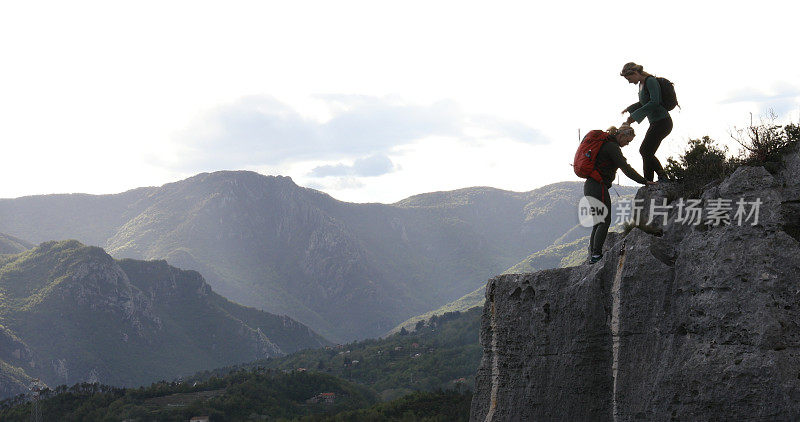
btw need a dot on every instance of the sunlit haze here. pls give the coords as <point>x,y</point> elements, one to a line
<point>368,101</point>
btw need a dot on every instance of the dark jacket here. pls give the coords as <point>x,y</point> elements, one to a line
<point>610,159</point>
<point>649,104</point>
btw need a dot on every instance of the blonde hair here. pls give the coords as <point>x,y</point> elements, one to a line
<point>622,130</point>
<point>632,67</point>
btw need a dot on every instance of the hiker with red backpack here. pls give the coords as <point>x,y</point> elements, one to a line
<point>656,98</point>
<point>598,158</point>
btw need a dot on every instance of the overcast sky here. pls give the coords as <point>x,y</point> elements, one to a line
<point>368,101</point>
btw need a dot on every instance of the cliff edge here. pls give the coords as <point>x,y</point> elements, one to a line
<point>694,322</point>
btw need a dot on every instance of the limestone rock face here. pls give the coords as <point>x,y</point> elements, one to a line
<point>702,322</point>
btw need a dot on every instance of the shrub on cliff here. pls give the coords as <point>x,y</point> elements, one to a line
<point>765,144</point>
<point>703,162</point>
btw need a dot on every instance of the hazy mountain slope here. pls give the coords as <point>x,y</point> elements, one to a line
<point>566,251</point>
<point>71,313</point>
<point>12,245</point>
<point>515,222</point>
<point>554,256</point>
<point>465,303</point>
<point>347,270</point>
<point>560,255</point>
<point>467,235</point>
<point>92,219</point>
<point>394,365</point>
<point>261,241</point>
<point>13,379</point>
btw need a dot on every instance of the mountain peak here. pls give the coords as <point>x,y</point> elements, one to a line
<point>241,184</point>
<point>239,175</point>
<point>232,179</point>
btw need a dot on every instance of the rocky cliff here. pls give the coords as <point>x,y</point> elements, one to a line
<point>691,322</point>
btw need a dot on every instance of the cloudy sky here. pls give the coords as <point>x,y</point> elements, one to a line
<point>368,101</point>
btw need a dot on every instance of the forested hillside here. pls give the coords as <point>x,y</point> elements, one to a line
<point>71,313</point>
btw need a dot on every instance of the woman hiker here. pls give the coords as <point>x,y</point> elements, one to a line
<point>649,105</point>
<point>608,160</point>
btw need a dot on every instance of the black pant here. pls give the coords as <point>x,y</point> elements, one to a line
<point>652,140</point>
<point>598,191</point>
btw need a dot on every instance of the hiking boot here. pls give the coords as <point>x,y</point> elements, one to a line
<point>595,258</point>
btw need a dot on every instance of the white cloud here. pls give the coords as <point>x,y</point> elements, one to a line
<point>783,98</point>
<point>93,103</point>
<point>780,91</point>
<point>374,165</point>
<point>260,130</point>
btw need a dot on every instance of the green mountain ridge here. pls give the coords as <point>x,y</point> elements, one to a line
<point>72,312</point>
<point>12,245</point>
<point>441,353</point>
<point>346,270</point>
<point>407,371</point>
<point>566,251</point>
<point>254,395</point>
<point>557,255</point>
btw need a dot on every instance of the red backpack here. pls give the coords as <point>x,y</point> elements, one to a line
<point>586,157</point>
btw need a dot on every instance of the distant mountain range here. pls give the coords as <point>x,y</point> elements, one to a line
<point>557,255</point>
<point>347,270</point>
<point>11,245</point>
<point>71,313</point>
